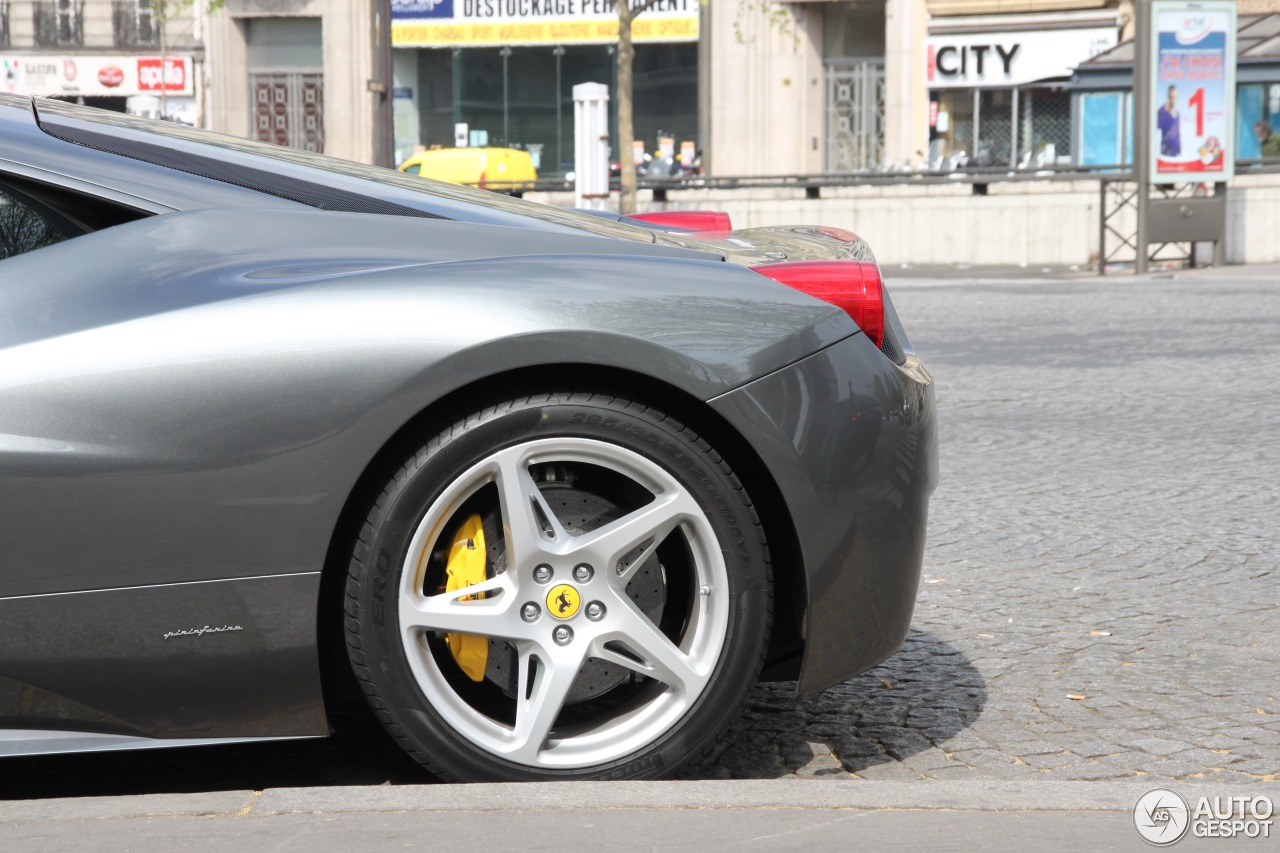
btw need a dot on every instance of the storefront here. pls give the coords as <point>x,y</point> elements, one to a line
<point>999,85</point>
<point>120,83</point>
<point>502,72</point>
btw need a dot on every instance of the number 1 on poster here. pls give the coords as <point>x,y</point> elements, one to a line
<point>1197,101</point>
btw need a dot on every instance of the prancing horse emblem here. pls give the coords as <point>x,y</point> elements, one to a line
<point>563,601</point>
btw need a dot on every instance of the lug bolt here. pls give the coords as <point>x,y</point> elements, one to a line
<point>542,573</point>
<point>530,612</point>
<point>582,572</point>
<point>563,635</point>
<point>595,611</point>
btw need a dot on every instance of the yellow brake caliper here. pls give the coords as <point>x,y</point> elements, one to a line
<point>466,567</point>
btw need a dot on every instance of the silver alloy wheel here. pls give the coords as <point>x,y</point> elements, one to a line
<point>624,635</point>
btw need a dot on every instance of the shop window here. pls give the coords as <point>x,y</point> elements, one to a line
<point>1255,102</point>
<point>1105,133</point>
<point>995,144</point>
<point>1044,126</point>
<point>523,97</point>
<point>1101,128</point>
<point>1029,127</point>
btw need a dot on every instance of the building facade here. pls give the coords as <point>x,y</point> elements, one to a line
<point>114,54</point>
<point>303,73</point>
<point>758,87</point>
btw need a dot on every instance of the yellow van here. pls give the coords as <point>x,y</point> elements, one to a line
<point>499,169</point>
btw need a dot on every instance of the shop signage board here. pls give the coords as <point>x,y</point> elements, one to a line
<point>81,75</point>
<point>1193,51</point>
<point>1006,59</point>
<point>480,23</point>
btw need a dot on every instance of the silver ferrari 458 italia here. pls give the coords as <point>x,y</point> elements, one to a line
<point>549,491</point>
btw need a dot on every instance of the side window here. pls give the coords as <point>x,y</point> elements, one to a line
<point>26,225</point>
<point>35,214</point>
<point>415,169</point>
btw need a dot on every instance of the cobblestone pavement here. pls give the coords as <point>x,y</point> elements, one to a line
<point>1101,594</point>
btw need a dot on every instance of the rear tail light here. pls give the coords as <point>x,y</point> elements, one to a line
<point>854,286</point>
<point>484,176</point>
<point>687,220</point>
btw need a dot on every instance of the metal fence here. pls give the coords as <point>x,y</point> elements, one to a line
<point>979,177</point>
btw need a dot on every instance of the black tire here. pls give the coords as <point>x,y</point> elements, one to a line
<point>416,689</point>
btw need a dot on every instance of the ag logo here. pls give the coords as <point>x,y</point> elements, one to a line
<point>1161,817</point>
<point>563,601</point>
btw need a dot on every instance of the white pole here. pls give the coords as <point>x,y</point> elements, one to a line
<point>591,145</point>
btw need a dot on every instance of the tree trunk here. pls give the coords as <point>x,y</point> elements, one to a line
<point>626,125</point>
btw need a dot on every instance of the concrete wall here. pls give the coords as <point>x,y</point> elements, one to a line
<point>1253,220</point>
<point>1033,223</point>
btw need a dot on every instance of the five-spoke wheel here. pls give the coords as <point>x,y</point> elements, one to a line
<point>559,588</point>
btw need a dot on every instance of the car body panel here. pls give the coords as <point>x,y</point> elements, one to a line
<point>220,659</point>
<point>850,439</point>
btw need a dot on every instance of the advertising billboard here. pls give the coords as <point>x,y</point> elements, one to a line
<point>1193,67</point>
<point>47,75</point>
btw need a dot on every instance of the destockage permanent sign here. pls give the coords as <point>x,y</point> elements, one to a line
<point>478,23</point>
<point>1193,78</point>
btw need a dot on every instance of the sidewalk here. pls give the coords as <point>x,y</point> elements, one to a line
<point>782,814</point>
<point>912,273</point>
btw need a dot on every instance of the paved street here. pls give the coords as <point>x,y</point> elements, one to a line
<point>1101,600</point>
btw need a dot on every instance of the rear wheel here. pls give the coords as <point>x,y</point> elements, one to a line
<point>562,587</point>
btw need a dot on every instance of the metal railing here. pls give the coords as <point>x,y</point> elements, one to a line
<point>813,184</point>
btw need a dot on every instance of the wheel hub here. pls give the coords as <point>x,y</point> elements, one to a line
<point>580,512</point>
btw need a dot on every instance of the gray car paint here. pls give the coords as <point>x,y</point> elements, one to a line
<point>193,397</point>
<point>851,440</point>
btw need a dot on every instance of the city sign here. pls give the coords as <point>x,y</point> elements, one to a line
<point>994,59</point>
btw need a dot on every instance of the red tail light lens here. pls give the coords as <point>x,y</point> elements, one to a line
<point>484,176</point>
<point>687,220</point>
<point>852,285</point>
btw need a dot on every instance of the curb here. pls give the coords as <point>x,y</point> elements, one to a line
<point>980,796</point>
